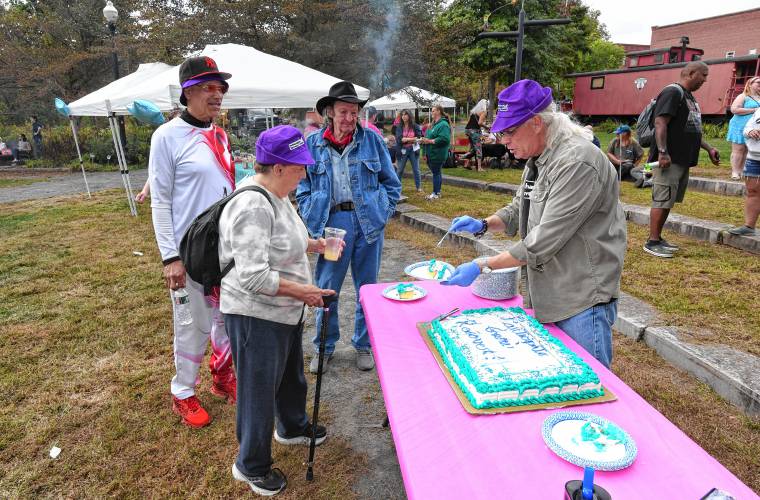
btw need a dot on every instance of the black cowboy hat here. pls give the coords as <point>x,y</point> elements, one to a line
<point>341,91</point>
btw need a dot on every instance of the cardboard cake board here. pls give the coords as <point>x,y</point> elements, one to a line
<point>423,329</point>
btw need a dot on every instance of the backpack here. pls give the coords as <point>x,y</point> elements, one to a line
<point>199,248</point>
<point>645,121</point>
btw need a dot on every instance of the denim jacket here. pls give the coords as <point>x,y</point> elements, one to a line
<point>374,184</point>
<point>398,131</point>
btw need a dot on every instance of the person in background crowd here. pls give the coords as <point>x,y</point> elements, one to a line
<point>474,134</point>
<point>351,186</point>
<point>742,108</point>
<point>566,212</point>
<point>438,139</point>
<point>594,138</point>
<point>408,134</point>
<point>189,169</point>
<point>37,136</point>
<point>624,152</point>
<point>678,136</point>
<point>313,123</point>
<point>751,177</point>
<point>369,123</point>
<point>263,298</point>
<point>22,148</point>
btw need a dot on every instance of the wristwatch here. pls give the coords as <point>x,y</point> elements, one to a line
<point>482,263</point>
<point>483,230</point>
<point>662,151</point>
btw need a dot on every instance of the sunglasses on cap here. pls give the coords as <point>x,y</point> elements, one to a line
<point>212,87</point>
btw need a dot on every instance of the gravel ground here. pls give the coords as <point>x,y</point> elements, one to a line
<point>351,399</point>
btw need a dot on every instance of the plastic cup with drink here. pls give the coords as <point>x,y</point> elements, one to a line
<point>334,239</point>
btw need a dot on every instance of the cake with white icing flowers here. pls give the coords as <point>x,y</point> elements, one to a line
<point>503,357</point>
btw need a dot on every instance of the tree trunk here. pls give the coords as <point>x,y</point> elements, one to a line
<point>491,95</point>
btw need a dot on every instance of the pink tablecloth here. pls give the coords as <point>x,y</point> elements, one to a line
<point>444,452</point>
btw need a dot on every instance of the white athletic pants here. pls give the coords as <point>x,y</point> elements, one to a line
<point>190,341</point>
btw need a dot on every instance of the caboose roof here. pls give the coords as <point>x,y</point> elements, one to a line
<point>751,57</point>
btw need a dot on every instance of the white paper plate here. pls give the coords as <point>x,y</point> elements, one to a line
<point>420,271</point>
<point>392,293</point>
<point>605,446</point>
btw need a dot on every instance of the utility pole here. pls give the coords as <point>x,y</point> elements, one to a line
<point>519,34</point>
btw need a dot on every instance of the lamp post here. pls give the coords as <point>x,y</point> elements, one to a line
<point>111,15</point>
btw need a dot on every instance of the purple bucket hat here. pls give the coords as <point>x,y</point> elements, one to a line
<point>282,144</point>
<point>520,101</point>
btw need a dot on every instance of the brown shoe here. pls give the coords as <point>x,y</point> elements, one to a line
<point>191,411</point>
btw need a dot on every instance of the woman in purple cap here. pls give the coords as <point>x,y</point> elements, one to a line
<point>263,298</point>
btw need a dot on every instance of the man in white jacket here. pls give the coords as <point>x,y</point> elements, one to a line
<point>190,168</point>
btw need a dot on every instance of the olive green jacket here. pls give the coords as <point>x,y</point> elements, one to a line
<point>576,231</point>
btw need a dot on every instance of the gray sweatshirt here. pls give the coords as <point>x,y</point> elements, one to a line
<point>753,145</point>
<point>576,231</point>
<point>268,244</point>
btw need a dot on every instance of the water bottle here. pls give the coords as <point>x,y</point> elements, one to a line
<point>182,307</point>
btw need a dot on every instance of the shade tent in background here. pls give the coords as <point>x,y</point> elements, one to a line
<point>411,98</point>
<point>259,81</point>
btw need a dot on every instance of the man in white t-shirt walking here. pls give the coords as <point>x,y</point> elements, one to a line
<point>191,168</point>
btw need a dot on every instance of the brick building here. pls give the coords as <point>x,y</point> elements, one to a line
<point>729,35</point>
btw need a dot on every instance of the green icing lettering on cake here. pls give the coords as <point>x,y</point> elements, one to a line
<point>445,344</point>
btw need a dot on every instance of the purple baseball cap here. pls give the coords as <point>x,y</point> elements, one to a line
<point>282,144</point>
<point>520,101</point>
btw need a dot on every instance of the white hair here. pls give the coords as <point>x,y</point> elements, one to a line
<point>559,126</point>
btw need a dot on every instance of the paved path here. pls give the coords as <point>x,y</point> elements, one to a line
<point>72,185</point>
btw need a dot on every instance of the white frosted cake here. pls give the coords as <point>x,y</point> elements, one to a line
<point>503,357</point>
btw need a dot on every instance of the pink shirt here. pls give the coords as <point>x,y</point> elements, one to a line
<point>371,126</point>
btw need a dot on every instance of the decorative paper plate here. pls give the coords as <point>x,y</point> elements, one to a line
<point>415,293</point>
<point>421,270</point>
<point>585,439</point>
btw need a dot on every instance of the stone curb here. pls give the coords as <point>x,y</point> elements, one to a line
<point>705,230</point>
<point>717,186</point>
<point>733,374</point>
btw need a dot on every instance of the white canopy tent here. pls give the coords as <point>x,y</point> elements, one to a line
<point>411,97</point>
<point>259,80</point>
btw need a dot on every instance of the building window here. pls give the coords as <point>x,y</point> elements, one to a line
<point>673,57</point>
<point>658,58</point>
<point>597,83</point>
<point>634,61</point>
<point>696,57</point>
<point>753,51</point>
<point>730,54</point>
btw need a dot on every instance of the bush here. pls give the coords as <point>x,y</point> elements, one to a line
<point>715,131</point>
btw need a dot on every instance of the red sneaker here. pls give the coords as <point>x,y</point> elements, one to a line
<point>225,387</point>
<point>191,411</point>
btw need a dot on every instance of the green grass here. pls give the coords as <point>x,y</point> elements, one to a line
<point>85,364</point>
<point>25,181</point>
<point>704,289</point>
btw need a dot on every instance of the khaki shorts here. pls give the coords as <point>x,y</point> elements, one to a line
<point>669,185</point>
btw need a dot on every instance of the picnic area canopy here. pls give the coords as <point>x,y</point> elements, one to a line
<point>411,97</point>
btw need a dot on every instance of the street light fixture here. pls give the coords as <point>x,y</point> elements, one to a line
<point>112,15</point>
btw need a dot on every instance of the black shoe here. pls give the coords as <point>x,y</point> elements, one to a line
<point>304,438</point>
<point>639,183</point>
<point>669,246</point>
<point>655,248</point>
<point>270,484</point>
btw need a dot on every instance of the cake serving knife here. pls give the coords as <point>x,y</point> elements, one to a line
<point>444,316</point>
<point>444,237</point>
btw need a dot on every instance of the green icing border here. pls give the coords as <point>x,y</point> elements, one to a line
<point>586,376</point>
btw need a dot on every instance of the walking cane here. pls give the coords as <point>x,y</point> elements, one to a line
<point>327,301</point>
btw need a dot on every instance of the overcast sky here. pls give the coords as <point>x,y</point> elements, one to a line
<point>630,22</point>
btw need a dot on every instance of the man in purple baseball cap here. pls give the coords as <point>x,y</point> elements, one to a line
<point>263,298</point>
<point>571,225</point>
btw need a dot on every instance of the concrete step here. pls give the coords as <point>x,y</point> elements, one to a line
<point>700,229</point>
<point>717,186</point>
<point>733,374</point>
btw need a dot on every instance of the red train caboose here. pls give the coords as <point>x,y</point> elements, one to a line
<point>622,93</point>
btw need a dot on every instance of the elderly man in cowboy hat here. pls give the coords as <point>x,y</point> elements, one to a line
<point>571,225</point>
<point>189,169</point>
<point>351,186</point>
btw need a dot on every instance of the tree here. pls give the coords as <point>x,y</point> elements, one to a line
<point>602,54</point>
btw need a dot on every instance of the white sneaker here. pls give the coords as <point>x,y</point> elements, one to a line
<point>432,196</point>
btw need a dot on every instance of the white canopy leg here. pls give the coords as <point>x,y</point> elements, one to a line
<point>79,154</point>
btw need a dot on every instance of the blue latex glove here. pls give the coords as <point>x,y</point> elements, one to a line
<point>463,275</point>
<point>465,223</point>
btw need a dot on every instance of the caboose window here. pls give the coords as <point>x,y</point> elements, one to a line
<point>634,61</point>
<point>597,82</point>
<point>658,58</point>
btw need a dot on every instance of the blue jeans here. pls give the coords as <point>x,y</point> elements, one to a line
<point>436,167</point>
<point>268,360</point>
<point>592,329</point>
<point>364,259</point>
<point>412,156</point>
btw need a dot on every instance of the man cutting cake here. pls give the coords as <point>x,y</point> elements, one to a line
<point>571,225</point>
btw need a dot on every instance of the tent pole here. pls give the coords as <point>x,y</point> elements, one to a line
<point>126,168</point>
<point>122,168</point>
<point>79,154</point>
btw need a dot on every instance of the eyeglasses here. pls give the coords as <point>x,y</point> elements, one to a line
<point>212,88</point>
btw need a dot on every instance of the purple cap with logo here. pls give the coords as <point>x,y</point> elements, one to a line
<point>520,101</point>
<point>282,144</point>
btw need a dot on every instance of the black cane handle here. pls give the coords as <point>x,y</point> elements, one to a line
<point>328,300</point>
